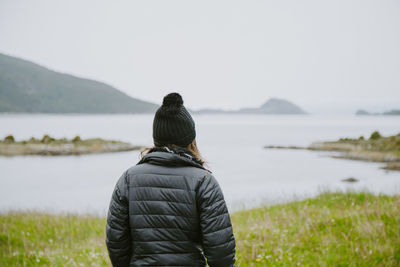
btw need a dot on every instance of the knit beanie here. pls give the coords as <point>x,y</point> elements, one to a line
<point>172,123</point>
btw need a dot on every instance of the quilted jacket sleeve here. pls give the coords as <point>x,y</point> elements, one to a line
<point>215,224</point>
<point>118,237</point>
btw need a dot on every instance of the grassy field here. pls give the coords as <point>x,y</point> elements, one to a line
<point>329,230</point>
<point>333,229</point>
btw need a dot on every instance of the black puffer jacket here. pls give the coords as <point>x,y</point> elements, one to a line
<point>169,211</point>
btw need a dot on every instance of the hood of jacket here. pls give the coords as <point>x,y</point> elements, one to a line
<point>165,156</point>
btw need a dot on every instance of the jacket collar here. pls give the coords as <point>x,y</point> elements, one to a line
<point>167,157</point>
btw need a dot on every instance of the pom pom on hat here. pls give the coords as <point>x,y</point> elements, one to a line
<point>173,99</point>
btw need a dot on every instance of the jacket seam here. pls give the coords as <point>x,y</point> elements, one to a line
<point>222,214</point>
<point>169,241</point>
<point>170,253</point>
<point>228,241</point>
<point>218,230</point>
<point>173,188</point>
<point>162,228</point>
<point>187,217</point>
<point>148,200</point>
<point>215,204</point>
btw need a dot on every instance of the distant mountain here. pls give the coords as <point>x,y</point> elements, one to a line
<point>210,111</point>
<point>275,106</point>
<point>272,106</point>
<point>392,112</point>
<point>28,87</point>
<point>362,112</point>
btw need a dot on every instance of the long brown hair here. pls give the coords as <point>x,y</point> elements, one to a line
<point>192,147</point>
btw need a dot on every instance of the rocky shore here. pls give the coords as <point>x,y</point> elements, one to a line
<point>375,149</point>
<point>48,146</point>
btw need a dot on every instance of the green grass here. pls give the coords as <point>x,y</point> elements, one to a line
<point>31,239</point>
<point>333,229</point>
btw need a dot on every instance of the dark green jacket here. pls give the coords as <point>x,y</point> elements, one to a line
<point>169,211</point>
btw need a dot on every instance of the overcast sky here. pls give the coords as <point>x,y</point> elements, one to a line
<point>327,56</point>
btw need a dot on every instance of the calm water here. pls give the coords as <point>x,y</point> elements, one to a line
<point>248,174</point>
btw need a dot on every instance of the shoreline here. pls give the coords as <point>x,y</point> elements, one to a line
<point>64,150</point>
<point>49,146</point>
<point>352,149</point>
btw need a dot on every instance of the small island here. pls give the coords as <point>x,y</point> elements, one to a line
<point>393,112</point>
<point>49,146</point>
<point>274,106</point>
<point>376,148</point>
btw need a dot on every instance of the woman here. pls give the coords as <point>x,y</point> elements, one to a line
<point>168,210</point>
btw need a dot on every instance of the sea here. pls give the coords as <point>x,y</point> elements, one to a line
<point>233,146</point>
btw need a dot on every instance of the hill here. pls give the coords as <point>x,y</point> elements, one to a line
<point>272,106</point>
<point>275,106</point>
<point>28,87</point>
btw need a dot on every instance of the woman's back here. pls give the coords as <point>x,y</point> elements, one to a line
<point>174,210</point>
<point>168,210</point>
